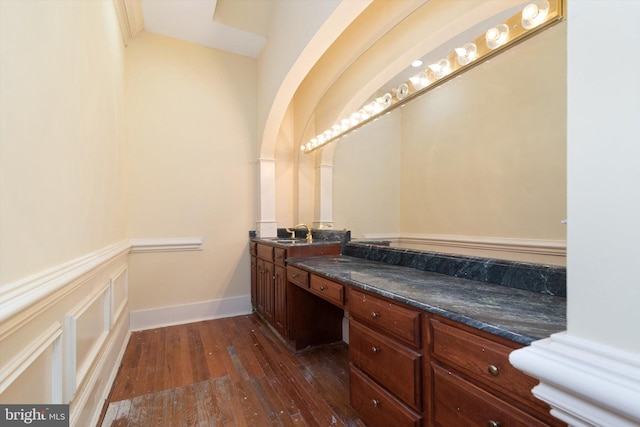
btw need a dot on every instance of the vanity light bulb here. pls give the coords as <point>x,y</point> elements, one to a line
<point>320,139</point>
<point>302,148</point>
<point>497,36</point>
<point>419,81</point>
<point>345,124</point>
<point>534,13</point>
<point>466,53</point>
<point>383,102</point>
<point>441,69</point>
<point>370,107</point>
<point>417,63</point>
<point>402,91</point>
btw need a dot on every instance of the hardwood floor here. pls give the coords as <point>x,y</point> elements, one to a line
<point>227,372</point>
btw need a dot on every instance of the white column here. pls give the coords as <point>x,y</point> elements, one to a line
<point>324,203</point>
<point>590,375</point>
<point>267,226</point>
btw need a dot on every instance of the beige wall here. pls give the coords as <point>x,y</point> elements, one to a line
<point>62,137</point>
<point>191,129</point>
<point>63,202</point>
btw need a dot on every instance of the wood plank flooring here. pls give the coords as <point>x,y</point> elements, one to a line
<point>227,372</point>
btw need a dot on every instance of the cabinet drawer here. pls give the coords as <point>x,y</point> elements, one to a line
<point>279,255</point>
<point>376,406</point>
<point>394,366</point>
<point>482,359</point>
<point>265,252</point>
<point>252,248</point>
<point>331,291</point>
<point>297,276</point>
<point>460,403</point>
<point>399,322</point>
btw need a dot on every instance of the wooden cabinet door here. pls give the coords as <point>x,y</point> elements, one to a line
<point>280,300</point>
<point>264,289</point>
<point>260,284</point>
<point>254,282</point>
<point>268,294</point>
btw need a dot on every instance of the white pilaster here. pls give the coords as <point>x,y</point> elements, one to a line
<point>590,375</point>
<point>324,203</point>
<point>267,226</point>
<point>585,383</point>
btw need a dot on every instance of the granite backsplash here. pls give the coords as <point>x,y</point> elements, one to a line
<point>544,279</point>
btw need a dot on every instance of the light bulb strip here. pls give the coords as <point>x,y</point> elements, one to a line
<point>438,73</point>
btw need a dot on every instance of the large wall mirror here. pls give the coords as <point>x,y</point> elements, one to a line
<point>476,165</point>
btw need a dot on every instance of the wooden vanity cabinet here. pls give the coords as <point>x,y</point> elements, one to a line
<point>327,289</point>
<point>386,364</point>
<point>269,284</point>
<point>265,290</point>
<point>376,406</point>
<point>408,367</point>
<point>254,272</point>
<point>471,381</point>
<point>280,300</point>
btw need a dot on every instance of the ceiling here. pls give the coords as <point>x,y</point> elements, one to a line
<point>236,26</point>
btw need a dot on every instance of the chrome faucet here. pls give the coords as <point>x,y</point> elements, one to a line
<point>309,237</point>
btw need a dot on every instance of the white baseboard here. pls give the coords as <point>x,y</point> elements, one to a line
<point>585,383</point>
<point>176,315</point>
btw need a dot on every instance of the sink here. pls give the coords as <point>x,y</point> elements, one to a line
<point>285,240</point>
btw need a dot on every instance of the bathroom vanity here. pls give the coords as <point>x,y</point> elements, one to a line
<point>426,348</point>
<point>271,294</point>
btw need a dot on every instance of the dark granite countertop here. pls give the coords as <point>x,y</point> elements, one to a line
<point>519,315</point>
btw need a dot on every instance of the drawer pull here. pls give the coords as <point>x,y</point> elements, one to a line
<point>294,275</point>
<point>493,370</point>
<point>375,403</point>
<point>322,288</point>
<point>493,423</point>
<point>374,315</point>
<point>375,349</point>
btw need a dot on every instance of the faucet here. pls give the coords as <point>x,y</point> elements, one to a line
<point>309,237</point>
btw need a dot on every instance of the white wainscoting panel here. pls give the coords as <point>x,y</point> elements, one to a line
<point>176,315</point>
<point>41,359</point>
<point>25,296</point>
<point>91,394</point>
<point>87,326</point>
<point>119,293</point>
